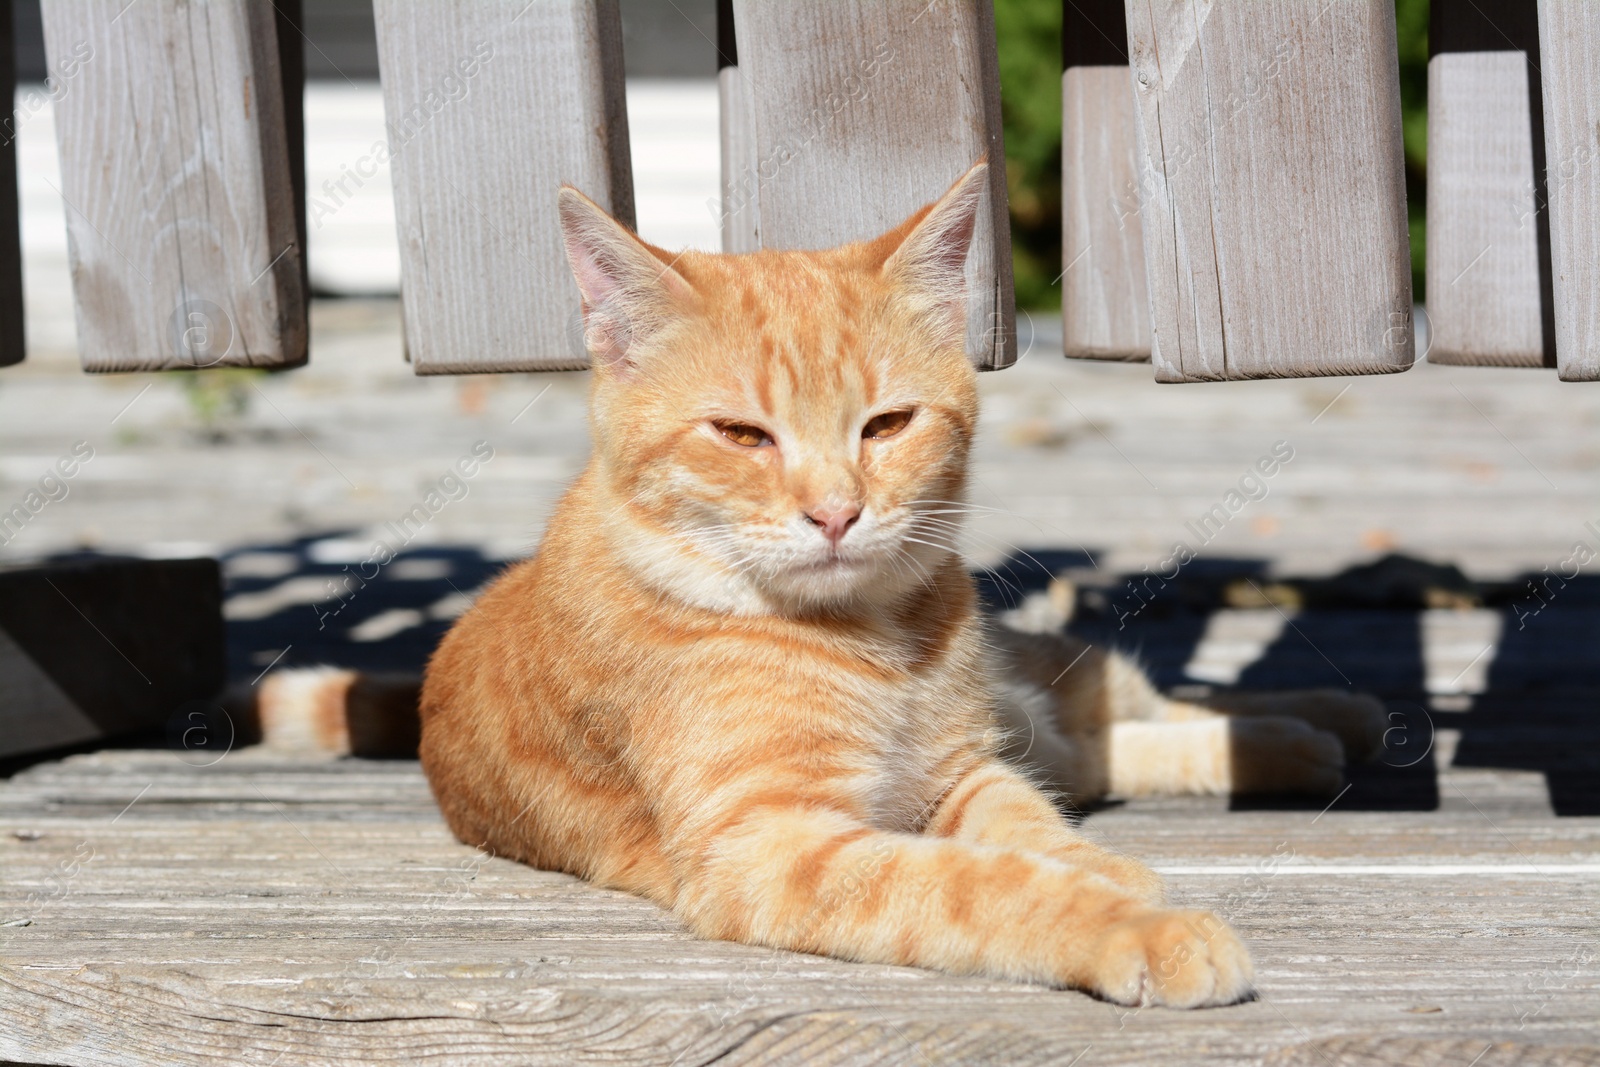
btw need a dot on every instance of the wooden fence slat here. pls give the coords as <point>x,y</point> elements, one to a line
<point>288,17</point>
<point>738,213</point>
<point>12,340</point>
<point>864,111</point>
<point>1569,40</point>
<point>490,108</point>
<point>1105,298</point>
<point>175,170</point>
<point>1488,255</point>
<point>1273,198</point>
<point>1483,247</point>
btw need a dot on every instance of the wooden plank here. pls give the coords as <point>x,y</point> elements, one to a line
<point>1569,40</point>
<point>1484,305</point>
<point>1368,1051</point>
<point>865,111</point>
<point>1274,193</point>
<point>319,912</point>
<point>741,186</point>
<point>181,206</point>
<point>1105,298</point>
<point>289,22</point>
<point>491,107</point>
<point>94,650</point>
<point>740,162</point>
<point>1488,255</point>
<point>13,342</point>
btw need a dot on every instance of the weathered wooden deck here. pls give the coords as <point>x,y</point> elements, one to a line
<point>257,911</point>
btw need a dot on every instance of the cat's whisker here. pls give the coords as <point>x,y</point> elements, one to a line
<point>1047,529</point>
<point>921,574</point>
<point>946,528</point>
<point>963,504</point>
<point>720,543</point>
<point>996,541</point>
<point>936,531</point>
<point>931,544</point>
<point>997,575</point>
<point>919,570</point>
<point>983,511</point>
<point>902,563</point>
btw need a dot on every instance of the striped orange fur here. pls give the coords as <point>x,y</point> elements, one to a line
<point>745,677</point>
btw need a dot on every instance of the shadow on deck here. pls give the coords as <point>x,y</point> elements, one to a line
<point>1525,654</point>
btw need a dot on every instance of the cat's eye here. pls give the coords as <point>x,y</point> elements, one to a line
<point>886,425</point>
<point>742,433</point>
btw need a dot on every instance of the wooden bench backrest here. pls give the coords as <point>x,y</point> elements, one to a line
<point>1233,174</point>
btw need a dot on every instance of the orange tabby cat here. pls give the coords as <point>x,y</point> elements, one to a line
<point>746,677</point>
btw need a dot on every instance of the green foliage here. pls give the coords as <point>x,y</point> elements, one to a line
<point>219,398</point>
<point>1411,24</point>
<point>1029,33</point>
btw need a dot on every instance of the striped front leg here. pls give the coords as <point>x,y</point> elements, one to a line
<point>994,804</point>
<point>814,879</point>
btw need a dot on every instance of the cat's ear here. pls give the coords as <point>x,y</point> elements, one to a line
<point>931,256</point>
<point>629,292</point>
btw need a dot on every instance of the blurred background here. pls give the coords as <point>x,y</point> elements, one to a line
<point>1407,546</point>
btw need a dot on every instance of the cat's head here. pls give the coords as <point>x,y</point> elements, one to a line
<point>781,430</point>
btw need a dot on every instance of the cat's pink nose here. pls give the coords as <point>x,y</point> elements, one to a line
<point>834,521</point>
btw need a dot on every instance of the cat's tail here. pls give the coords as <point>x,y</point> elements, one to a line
<point>333,712</point>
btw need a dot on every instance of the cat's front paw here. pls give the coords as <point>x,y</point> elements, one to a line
<point>1273,755</point>
<point>1132,877</point>
<point>1180,959</point>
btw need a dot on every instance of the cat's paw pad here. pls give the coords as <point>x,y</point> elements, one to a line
<point>1273,755</point>
<point>1181,959</point>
